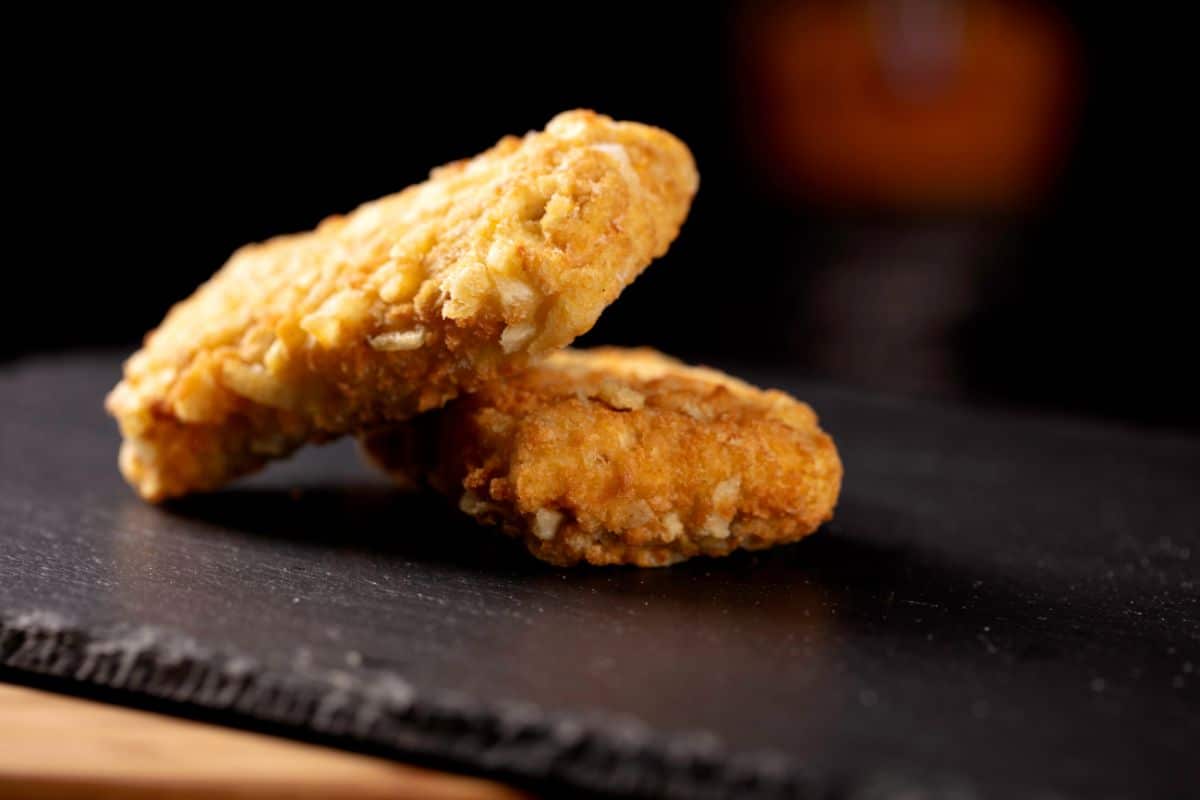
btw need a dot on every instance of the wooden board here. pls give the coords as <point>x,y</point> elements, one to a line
<point>53,746</point>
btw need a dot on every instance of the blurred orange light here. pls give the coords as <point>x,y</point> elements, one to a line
<point>909,103</point>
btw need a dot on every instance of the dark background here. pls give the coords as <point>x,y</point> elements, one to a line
<point>147,148</point>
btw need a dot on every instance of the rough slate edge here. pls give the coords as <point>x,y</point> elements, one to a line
<point>382,714</point>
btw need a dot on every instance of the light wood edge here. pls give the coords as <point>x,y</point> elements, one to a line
<point>63,747</point>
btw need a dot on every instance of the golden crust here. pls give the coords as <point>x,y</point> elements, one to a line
<point>397,307</point>
<point>615,456</point>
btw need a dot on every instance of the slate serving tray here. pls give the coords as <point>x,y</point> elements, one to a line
<point>1004,607</point>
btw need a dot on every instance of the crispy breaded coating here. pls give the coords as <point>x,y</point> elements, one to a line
<point>397,307</point>
<point>616,456</point>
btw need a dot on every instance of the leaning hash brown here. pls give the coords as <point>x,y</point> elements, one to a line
<point>397,307</point>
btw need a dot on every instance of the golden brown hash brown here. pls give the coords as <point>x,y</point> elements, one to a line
<point>615,456</point>
<point>397,307</point>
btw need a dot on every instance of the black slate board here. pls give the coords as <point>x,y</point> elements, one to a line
<point>1003,608</point>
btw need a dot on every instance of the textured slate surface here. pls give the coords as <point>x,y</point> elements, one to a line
<point>1003,608</point>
